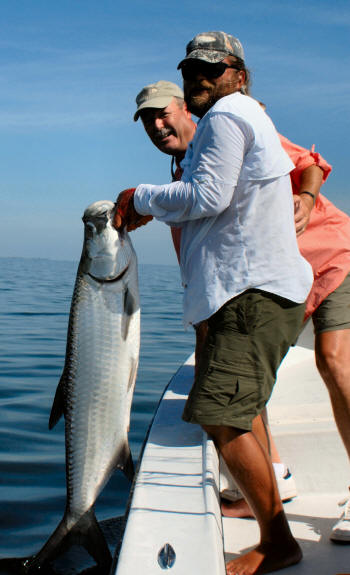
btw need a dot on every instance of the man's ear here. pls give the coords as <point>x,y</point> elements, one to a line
<point>242,78</point>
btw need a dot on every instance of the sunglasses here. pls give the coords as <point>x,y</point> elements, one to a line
<point>190,69</point>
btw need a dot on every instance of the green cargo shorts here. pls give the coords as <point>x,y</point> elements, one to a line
<point>247,340</point>
<point>334,312</point>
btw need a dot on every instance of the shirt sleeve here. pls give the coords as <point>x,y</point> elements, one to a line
<point>302,159</point>
<point>212,170</point>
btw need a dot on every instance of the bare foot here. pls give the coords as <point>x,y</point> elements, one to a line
<point>266,558</point>
<point>239,508</point>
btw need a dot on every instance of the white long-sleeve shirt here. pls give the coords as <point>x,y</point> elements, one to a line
<point>235,208</point>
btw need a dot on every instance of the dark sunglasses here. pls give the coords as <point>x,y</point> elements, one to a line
<point>190,69</point>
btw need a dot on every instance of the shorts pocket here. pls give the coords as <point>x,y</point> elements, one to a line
<point>232,361</point>
<point>233,379</point>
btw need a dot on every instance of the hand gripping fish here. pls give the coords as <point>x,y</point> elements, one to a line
<point>97,383</point>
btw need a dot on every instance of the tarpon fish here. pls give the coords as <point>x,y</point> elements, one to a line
<point>96,388</point>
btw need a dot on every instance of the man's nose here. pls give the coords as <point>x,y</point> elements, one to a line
<point>196,77</point>
<point>158,123</point>
<point>199,76</point>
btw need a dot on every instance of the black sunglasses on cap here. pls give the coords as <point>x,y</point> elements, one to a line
<point>190,69</point>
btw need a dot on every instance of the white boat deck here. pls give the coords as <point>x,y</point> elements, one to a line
<point>176,499</point>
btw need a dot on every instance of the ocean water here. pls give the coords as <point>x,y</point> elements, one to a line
<point>34,307</point>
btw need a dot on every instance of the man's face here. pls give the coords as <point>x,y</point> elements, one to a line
<point>170,129</point>
<point>202,91</point>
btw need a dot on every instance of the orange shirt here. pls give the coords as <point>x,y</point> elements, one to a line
<point>326,240</point>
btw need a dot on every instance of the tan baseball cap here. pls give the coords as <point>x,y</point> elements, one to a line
<point>158,95</point>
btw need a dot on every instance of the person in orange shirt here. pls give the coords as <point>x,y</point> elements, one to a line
<point>326,245</point>
<point>324,240</point>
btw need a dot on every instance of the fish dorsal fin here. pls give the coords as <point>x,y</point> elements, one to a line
<point>129,308</point>
<point>57,409</point>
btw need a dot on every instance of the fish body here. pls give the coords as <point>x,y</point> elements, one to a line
<point>96,388</point>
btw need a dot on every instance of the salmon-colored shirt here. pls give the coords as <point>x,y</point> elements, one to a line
<point>326,240</point>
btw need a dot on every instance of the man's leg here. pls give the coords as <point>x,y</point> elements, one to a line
<point>332,350</point>
<point>247,339</point>
<point>285,482</point>
<point>333,361</point>
<point>250,465</point>
<point>241,507</point>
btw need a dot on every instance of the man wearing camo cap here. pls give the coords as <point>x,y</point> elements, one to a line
<point>241,271</point>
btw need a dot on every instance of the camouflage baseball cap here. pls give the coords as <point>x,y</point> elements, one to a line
<point>158,95</point>
<point>213,47</point>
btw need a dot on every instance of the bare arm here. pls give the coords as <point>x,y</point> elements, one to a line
<point>310,181</point>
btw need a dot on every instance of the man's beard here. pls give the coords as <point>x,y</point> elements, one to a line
<point>199,103</point>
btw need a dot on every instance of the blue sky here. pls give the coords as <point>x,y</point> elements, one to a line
<point>69,74</point>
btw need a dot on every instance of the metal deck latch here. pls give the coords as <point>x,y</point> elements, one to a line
<point>166,556</point>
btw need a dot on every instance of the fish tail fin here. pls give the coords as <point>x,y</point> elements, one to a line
<point>89,534</point>
<point>86,532</point>
<point>53,547</point>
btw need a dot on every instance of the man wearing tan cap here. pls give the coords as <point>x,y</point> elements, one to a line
<point>233,202</point>
<point>166,118</point>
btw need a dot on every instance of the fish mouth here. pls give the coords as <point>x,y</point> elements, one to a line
<point>106,280</point>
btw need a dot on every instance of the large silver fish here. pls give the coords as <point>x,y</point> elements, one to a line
<point>96,388</point>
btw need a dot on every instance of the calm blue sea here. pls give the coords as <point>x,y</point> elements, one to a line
<point>34,306</point>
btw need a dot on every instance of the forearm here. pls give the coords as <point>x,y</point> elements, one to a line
<point>310,184</point>
<point>311,181</point>
<point>183,201</point>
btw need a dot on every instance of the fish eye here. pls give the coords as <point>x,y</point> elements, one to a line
<point>89,229</point>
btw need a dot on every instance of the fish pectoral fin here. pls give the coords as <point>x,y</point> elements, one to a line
<point>57,409</point>
<point>129,309</point>
<point>125,462</point>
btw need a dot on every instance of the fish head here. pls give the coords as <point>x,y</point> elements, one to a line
<point>107,252</point>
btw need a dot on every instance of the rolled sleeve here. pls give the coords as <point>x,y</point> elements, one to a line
<point>302,159</point>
